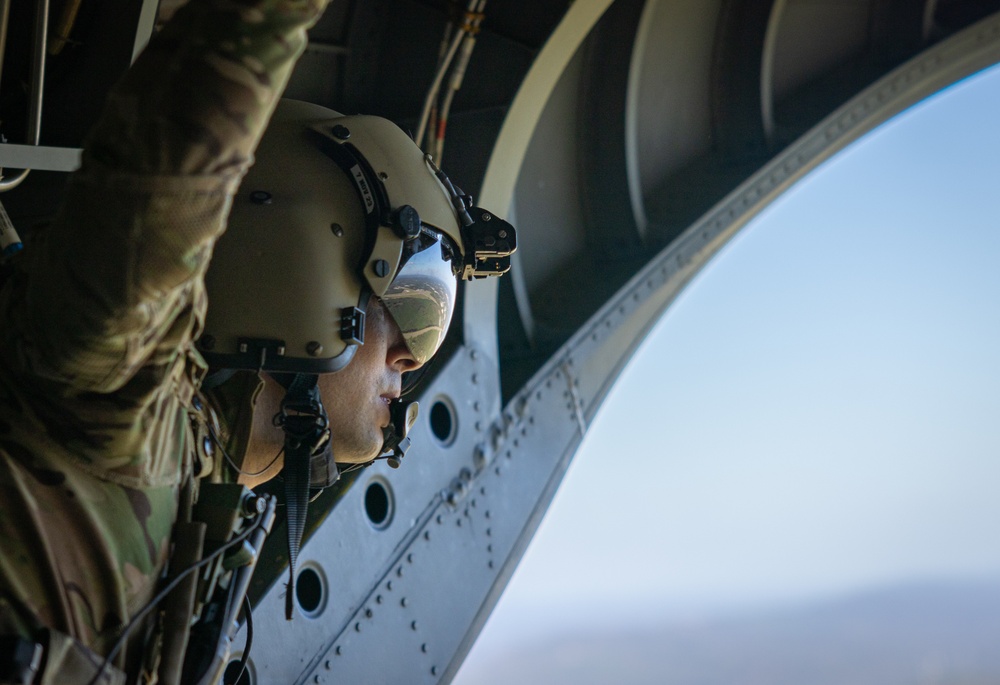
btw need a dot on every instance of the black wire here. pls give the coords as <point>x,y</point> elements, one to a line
<point>246,648</point>
<point>348,468</point>
<point>457,198</point>
<point>354,467</point>
<point>258,520</point>
<point>222,448</point>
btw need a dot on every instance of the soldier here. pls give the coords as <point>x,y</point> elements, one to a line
<point>338,276</point>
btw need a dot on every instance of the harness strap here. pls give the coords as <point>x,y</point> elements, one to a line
<point>68,661</point>
<point>307,433</point>
<point>189,539</point>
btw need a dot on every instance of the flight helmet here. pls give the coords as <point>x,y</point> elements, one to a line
<point>338,209</point>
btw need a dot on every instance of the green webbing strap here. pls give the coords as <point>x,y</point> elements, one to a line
<point>307,430</point>
<point>68,661</point>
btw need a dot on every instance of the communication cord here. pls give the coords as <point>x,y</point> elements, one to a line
<point>432,93</point>
<point>141,614</point>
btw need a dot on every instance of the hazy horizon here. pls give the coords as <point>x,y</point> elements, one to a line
<point>927,633</point>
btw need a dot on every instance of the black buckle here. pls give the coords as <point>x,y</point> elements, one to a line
<point>352,326</point>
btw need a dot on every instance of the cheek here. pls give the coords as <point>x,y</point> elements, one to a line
<point>370,357</point>
<point>363,371</point>
<point>343,390</point>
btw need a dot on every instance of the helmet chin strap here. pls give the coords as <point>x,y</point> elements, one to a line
<point>307,443</point>
<point>309,461</point>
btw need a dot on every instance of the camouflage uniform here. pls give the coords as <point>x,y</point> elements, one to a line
<point>97,369</point>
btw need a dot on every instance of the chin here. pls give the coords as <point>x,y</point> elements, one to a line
<point>358,454</point>
<point>356,439</point>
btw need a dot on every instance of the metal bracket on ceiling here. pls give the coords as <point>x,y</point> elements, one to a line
<point>39,157</point>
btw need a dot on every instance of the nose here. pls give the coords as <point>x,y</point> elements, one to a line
<point>398,355</point>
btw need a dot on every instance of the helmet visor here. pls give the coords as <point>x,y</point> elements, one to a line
<point>421,300</point>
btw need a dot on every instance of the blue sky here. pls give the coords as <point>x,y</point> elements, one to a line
<point>818,413</point>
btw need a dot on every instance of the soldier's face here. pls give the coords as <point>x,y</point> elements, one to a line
<point>357,397</point>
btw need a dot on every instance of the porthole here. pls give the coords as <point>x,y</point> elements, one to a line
<point>379,503</point>
<point>233,670</point>
<point>444,422</point>
<point>311,590</point>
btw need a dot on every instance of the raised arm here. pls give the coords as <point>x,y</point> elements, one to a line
<point>116,282</point>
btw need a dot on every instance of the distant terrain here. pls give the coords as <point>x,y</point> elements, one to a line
<point>921,634</point>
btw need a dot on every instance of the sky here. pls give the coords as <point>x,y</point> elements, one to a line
<point>817,414</point>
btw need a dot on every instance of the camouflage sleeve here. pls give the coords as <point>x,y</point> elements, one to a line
<point>116,281</point>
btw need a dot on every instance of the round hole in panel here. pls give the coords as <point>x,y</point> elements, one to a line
<point>444,422</point>
<point>311,590</point>
<point>233,670</point>
<point>379,503</point>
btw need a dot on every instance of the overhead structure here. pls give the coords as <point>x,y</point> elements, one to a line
<point>628,141</point>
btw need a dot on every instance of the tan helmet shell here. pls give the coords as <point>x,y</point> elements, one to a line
<point>306,233</point>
